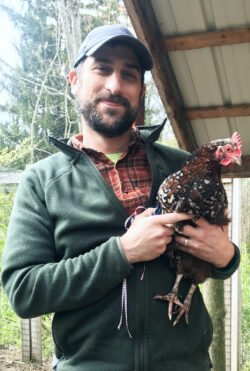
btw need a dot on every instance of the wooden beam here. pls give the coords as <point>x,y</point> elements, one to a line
<point>236,171</point>
<point>147,30</point>
<point>207,39</point>
<point>140,118</point>
<point>239,110</point>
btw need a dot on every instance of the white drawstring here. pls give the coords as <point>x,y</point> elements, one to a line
<point>144,267</point>
<point>124,306</point>
<point>124,303</point>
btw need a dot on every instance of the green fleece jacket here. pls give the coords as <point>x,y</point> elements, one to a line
<point>62,255</point>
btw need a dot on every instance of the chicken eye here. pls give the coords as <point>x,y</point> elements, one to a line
<point>228,148</point>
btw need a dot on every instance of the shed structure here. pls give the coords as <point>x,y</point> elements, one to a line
<point>201,55</point>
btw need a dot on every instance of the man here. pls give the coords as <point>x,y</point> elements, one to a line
<point>68,250</point>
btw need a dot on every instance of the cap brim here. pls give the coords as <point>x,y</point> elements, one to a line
<point>138,47</point>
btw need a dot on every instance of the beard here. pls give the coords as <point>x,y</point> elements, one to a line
<point>111,126</point>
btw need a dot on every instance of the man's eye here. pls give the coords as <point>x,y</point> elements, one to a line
<point>130,75</point>
<point>103,69</point>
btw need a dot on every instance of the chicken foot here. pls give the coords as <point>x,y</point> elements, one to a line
<point>186,305</point>
<point>172,297</point>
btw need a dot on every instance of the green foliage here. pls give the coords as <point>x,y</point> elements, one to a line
<point>10,333</point>
<point>47,339</point>
<point>16,157</point>
<point>10,323</point>
<point>7,194</point>
<point>39,105</point>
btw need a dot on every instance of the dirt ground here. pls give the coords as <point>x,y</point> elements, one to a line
<point>10,360</point>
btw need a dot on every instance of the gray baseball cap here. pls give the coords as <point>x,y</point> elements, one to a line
<point>101,35</point>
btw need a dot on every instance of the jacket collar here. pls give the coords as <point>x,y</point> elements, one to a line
<point>149,134</point>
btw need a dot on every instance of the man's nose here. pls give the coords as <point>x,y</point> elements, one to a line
<point>113,83</point>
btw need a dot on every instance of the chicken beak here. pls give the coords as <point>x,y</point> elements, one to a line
<point>238,160</point>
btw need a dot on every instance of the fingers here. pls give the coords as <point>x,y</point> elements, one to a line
<point>202,222</point>
<point>209,243</point>
<point>184,243</point>
<point>171,218</point>
<point>148,212</point>
<point>168,219</point>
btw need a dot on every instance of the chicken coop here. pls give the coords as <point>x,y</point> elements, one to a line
<point>201,69</point>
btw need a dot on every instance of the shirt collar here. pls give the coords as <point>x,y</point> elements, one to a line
<point>77,143</point>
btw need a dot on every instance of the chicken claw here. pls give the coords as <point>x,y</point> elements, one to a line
<point>186,305</point>
<point>172,298</point>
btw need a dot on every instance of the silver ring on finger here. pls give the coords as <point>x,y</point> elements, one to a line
<point>186,242</point>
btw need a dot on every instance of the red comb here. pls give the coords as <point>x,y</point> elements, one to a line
<point>236,139</point>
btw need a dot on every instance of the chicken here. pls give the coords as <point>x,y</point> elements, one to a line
<point>197,189</point>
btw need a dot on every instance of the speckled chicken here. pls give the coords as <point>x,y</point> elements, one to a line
<point>197,189</point>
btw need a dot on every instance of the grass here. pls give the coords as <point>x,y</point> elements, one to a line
<point>10,323</point>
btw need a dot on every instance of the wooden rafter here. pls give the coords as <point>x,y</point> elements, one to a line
<point>147,30</point>
<point>207,39</point>
<point>239,110</point>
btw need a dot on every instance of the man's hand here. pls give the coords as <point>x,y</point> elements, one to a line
<point>207,242</point>
<point>149,234</point>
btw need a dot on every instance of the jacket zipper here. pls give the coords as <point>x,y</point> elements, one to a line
<point>141,320</point>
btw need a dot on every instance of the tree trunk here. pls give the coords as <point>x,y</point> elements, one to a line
<point>73,7</point>
<point>67,31</point>
<point>71,24</point>
<point>213,293</point>
<point>32,125</point>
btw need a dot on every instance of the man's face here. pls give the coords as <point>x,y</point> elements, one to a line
<point>108,89</point>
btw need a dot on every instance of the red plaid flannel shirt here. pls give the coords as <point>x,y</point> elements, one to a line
<point>130,177</point>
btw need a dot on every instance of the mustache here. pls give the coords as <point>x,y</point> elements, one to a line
<point>113,98</point>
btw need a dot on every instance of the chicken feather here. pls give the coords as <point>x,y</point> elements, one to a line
<point>197,189</point>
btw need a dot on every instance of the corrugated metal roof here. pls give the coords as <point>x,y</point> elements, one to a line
<point>206,77</point>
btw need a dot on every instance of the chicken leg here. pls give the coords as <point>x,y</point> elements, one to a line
<point>186,305</point>
<point>172,297</point>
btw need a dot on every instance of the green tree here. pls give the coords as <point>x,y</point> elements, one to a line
<point>39,103</point>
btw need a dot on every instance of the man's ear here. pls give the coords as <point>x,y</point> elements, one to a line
<point>73,78</point>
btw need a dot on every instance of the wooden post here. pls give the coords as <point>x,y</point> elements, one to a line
<point>32,339</point>
<point>26,340</point>
<point>213,292</point>
<point>235,282</point>
<point>228,184</point>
